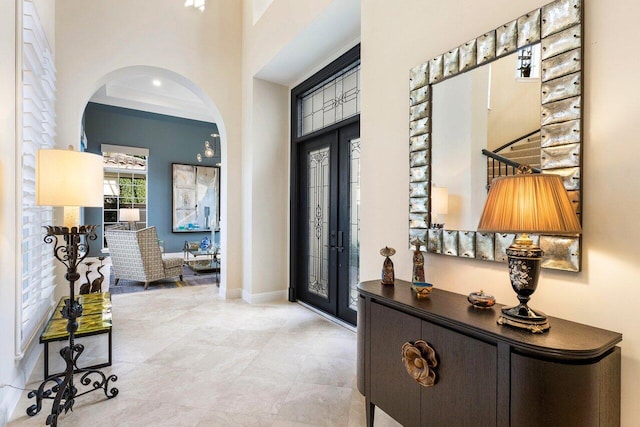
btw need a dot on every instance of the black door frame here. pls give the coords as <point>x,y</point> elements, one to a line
<point>348,58</point>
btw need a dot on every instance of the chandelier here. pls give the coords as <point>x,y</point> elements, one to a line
<point>208,149</point>
<point>198,4</point>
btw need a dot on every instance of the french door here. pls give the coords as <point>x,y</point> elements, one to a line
<point>326,221</point>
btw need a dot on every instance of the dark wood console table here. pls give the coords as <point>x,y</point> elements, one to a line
<point>487,374</point>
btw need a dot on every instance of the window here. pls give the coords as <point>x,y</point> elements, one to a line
<point>529,62</point>
<point>125,183</point>
<point>333,100</point>
<point>38,130</point>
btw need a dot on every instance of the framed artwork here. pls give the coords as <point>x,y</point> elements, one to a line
<point>196,198</point>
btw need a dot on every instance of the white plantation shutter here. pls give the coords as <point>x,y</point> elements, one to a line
<point>38,131</point>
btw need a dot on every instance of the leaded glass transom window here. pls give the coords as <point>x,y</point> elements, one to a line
<point>332,101</point>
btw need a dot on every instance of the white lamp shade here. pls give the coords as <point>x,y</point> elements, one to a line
<point>439,201</point>
<point>129,215</point>
<point>69,178</point>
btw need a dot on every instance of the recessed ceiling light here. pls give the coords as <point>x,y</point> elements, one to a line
<point>156,82</point>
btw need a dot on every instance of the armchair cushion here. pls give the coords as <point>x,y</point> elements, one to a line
<point>172,267</point>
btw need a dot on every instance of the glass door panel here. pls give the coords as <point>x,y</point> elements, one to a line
<point>318,218</point>
<point>354,222</point>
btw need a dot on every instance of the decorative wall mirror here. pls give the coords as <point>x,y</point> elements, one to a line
<point>517,88</point>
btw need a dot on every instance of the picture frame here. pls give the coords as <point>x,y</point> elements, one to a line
<point>195,198</point>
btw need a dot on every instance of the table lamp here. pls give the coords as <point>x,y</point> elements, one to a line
<point>130,215</point>
<point>527,203</point>
<point>439,205</point>
<point>69,179</point>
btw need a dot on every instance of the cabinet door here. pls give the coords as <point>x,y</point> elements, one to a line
<point>392,389</point>
<point>466,380</point>
<point>556,394</point>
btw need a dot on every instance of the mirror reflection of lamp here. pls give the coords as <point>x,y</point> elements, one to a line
<point>130,215</point>
<point>439,205</point>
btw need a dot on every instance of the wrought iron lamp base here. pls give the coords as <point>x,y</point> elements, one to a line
<point>61,387</point>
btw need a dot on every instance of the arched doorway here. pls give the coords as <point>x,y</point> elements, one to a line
<point>162,116</point>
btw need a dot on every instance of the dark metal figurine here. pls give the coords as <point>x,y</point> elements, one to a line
<point>418,261</point>
<point>96,285</point>
<point>388,275</point>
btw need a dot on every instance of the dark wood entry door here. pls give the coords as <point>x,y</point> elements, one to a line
<point>327,221</point>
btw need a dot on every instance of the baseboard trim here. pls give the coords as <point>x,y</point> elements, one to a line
<point>9,399</point>
<point>4,417</point>
<point>265,297</point>
<point>227,293</point>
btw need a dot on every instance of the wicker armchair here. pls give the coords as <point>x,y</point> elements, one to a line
<point>136,255</point>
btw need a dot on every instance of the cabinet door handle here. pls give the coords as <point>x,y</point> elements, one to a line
<point>420,360</point>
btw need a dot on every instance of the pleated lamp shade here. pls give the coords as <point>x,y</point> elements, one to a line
<point>529,203</point>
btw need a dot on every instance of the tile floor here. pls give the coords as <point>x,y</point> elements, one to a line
<point>186,357</point>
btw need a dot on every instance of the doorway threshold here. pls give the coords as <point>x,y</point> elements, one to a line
<point>329,317</point>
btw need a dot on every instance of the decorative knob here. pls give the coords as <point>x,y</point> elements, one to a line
<point>419,359</point>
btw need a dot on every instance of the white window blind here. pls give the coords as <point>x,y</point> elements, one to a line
<point>38,131</point>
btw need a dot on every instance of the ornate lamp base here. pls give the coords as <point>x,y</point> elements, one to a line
<point>62,389</point>
<point>536,323</point>
<point>524,259</point>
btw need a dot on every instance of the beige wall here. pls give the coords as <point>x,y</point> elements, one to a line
<point>278,26</point>
<point>604,293</point>
<point>47,12</point>
<point>267,275</point>
<point>95,38</point>
<point>515,103</point>
<point>265,163</point>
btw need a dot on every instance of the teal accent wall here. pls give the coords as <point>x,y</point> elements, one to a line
<point>169,140</point>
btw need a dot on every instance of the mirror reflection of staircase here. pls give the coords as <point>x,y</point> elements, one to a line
<point>506,159</point>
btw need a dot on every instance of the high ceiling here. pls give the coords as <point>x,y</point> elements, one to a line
<point>332,30</point>
<point>137,91</point>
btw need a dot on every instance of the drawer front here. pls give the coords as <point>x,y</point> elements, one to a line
<point>392,389</point>
<point>466,380</point>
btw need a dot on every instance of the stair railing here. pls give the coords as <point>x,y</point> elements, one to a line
<point>510,143</point>
<point>497,164</point>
